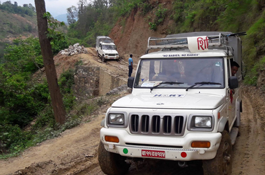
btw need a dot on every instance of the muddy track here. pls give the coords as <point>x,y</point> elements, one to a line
<point>249,151</point>
<point>248,154</point>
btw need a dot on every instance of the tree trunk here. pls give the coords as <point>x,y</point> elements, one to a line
<point>46,50</point>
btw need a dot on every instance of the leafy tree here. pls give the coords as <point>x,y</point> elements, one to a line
<point>27,9</point>
<point>71,15</point>
<point>57,38</point>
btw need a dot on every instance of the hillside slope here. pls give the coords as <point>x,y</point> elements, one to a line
<point>131,33</point>
<point>159,18</point>
<point>14,25</point>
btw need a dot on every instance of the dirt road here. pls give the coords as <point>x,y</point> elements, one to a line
<point>75,151</point>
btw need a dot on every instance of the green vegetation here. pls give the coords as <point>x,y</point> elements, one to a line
<point>27,9</point>
<point>159,18</point>
<point>23,100</point>
<point>226,15</point>
<point>14,25</point>
<point>57,37</point>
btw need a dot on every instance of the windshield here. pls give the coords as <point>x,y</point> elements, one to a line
<point>188,72</point>
<point>108,47</point>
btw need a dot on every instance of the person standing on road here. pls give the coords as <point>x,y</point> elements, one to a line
<point>130,65</point>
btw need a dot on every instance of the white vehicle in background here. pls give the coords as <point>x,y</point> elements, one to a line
<point>106,49</point>
<point>185,105</point>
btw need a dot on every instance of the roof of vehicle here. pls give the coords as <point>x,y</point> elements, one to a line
<point>103,37</point>
<point>184,54</point>
<point>104,43</point>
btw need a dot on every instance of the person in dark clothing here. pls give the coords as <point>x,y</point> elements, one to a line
<point>130,65</point>
<point>234,67</point>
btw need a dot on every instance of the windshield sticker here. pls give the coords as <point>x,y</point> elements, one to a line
<point>148,84</point>
<point>170,95</point>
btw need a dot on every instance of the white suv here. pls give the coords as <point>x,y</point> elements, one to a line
<point>106,49</point>
<point>185,105</point>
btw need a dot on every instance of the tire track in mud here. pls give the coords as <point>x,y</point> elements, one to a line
<point>249,150</point>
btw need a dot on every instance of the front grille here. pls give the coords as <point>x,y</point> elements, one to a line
<point>112,55</point>
<point>167,124</point>
<point>145,123</point>
<point>157,124</point>
<point>134,123</point>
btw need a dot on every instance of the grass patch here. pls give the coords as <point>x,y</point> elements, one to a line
<point>252,76</point>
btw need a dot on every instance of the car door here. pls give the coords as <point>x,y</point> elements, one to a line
<point>232,95</point>
<point>100,50</point>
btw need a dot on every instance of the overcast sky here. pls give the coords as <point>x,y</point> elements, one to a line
<point>55,7</point>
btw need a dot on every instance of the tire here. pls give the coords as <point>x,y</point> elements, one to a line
<point>221,164</point>
<point>103,58</point>
<point>111,163</point>
<point>98,55</point>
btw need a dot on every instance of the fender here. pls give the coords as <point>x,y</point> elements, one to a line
<point>102,123</point>
<point>221,124</point>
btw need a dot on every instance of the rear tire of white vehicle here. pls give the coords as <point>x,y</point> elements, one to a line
<point>221,164</point>
<point>103,58</point>
<point>98,55</point>
<point>111,163</point>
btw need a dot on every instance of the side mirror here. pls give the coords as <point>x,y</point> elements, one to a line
<point>130,82</point>
<point>233,82</point>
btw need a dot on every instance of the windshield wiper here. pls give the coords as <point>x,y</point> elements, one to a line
<point>201,83</point>
<point>165,82</point>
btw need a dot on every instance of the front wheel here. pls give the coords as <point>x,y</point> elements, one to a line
<point>111,163</point>
<point>221,164</point>
<point>103,58</point>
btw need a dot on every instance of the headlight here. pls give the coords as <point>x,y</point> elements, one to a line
<point>116,119</point>
<point>203,122</point>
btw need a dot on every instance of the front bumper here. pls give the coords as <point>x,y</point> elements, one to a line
<point>111,57</point>
<point>171,147</point>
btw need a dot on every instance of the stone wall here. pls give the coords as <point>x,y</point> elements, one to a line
<point>93,81</point>
<point>86,81</point>
<point>108,82</point>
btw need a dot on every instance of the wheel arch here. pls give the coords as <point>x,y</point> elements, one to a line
<point>223,125</point>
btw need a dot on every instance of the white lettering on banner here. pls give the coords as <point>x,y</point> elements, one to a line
<point>182,55</point>
<point>198,44</point>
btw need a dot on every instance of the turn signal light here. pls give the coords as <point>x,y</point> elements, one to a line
<point>200,144</point>
<point>112,139</point>
<point>219,115</point>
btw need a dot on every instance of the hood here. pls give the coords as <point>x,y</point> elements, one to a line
<point>110,51</point>
<point>171,101</point>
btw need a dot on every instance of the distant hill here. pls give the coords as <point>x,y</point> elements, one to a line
<point>14,25</point>
<point>16,21</point>
<point>62,18</point>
